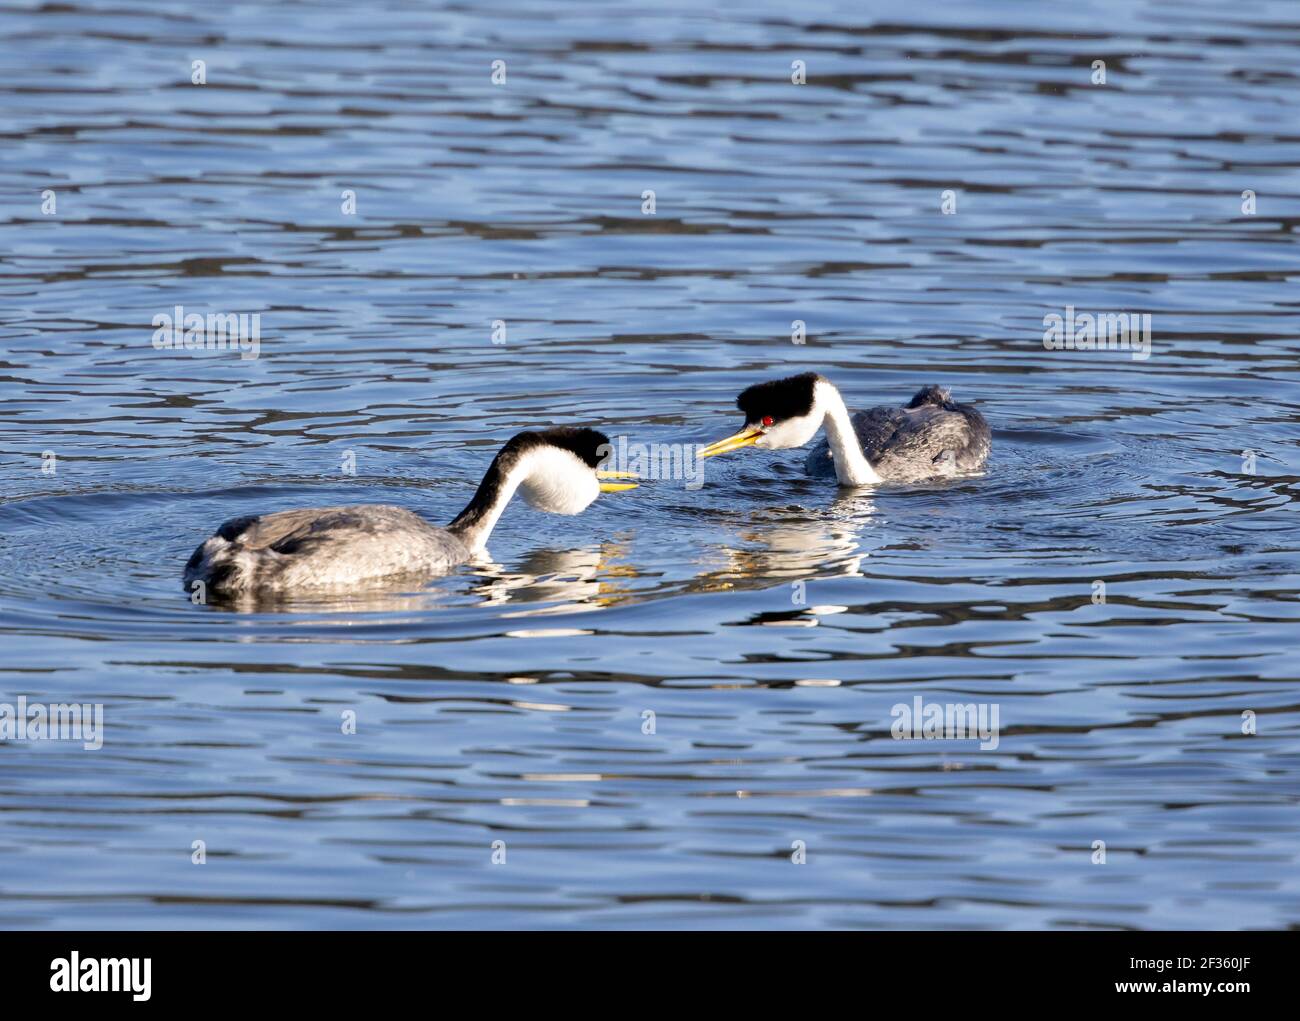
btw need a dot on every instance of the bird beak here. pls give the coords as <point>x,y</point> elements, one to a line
<point>616,487</point>
<point>747,437</point>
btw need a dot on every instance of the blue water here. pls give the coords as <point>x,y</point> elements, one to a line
<point>508,702</point>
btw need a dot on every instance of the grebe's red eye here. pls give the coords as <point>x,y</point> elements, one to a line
<point>768,420</point>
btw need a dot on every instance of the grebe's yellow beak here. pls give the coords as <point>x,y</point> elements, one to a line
<point>616,487</point>
<point>747,437</point>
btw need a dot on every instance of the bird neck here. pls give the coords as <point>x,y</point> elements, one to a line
<point>474,524</point>
<point>851,465</point>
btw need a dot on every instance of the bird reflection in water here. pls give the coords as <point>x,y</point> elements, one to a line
<point>817,545</point>
<point>565,581</point>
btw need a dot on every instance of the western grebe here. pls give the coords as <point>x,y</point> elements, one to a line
<point>332,547</point>
<point>930,438</point>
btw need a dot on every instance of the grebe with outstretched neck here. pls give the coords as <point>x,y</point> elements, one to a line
<point>932,437</point>
<point>339,547</point>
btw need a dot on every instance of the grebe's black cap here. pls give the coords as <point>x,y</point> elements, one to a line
<point>791,397</point>
<point>584,443</point>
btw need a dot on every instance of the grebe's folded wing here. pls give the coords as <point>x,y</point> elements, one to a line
<point>287,531</point>
<point>259,531</point>
<point>955,436</point>
<point>876,428</point>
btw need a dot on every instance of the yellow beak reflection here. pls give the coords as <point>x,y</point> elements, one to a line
<point>747,437</point>
<point>616,487</point>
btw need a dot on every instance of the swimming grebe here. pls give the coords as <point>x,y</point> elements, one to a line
<point>333,547</point>
<point>930,438</point>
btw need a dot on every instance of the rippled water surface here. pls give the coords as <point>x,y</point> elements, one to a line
<point>770,623</point>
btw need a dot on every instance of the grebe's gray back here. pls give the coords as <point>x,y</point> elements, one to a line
<point>933,436</point>
<point>340,547</point>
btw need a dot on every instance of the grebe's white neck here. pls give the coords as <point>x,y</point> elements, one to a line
<point>474,524</point>
<point>552,479</point>
<point>851,465</point>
